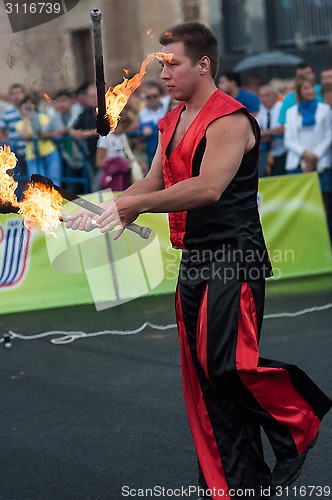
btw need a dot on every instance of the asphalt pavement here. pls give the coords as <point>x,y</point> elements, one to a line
<point>103,417</point>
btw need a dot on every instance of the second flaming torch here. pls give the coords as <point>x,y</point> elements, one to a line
<point>103,126</point>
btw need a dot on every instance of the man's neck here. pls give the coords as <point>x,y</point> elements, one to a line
<point>155,109</point>
<point>200,98</point>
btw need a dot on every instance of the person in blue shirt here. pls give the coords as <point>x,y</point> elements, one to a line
<point>9,135</point>
<point>148,117</point>
<point>230,83</point>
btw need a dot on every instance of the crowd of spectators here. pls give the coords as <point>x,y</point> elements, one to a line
<point>57,137</point>
<point>295,117</point>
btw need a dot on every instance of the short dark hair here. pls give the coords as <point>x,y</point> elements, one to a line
<point>17,86</point>
<point>83,88</point>
<point>63,93</point>
<point>198,41</point>
<point>232,77</point>
<point>303,65</point>
<point>27,98</point>
<point>152,84</point>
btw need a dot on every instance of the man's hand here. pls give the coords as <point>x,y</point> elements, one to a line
<point>147,131</point>
<point>83,220</point>
<point>121,212</point>
<point>80,135</point>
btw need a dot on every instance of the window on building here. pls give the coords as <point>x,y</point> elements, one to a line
<point>191,10</point>
<point>299,22</point>
<point>81,43</point>
<point>236,25</point>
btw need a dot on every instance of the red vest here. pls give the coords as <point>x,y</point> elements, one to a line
<point>179,166</point>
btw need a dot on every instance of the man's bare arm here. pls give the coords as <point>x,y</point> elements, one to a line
<point>228,138</point>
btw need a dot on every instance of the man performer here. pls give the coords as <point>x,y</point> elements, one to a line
<point>204,174</point>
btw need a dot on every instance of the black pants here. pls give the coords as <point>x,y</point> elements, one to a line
<point>230,392</point>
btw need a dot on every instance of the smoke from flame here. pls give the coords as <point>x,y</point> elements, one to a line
<point>117,97</point>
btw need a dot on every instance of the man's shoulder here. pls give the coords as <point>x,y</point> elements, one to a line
<point>148,114</point>
<point>11,114</point>
<point>323,108</point>
<point>85,119</point>
<point>289,99</point>
<point>291,111</point>
<point>221,104</point>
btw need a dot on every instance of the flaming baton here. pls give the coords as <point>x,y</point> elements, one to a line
<point>103,126</point>
<point>42,202</point>
<point>111,104</point>
<point>39,181</point>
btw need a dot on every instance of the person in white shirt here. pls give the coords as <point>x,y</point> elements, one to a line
<point>308,131</point>
<point>308,137</point>
<point>148,117</point>
<point>273,151</point>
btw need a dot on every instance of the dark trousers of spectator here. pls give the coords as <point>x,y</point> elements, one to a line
<point>325,180</point>
<point>278,165</point>
<point>74,185</point>
<point>263,154</point>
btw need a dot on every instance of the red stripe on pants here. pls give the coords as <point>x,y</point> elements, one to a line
<point>201,335</point>
<point>200,425</point>
<point>271,387</point>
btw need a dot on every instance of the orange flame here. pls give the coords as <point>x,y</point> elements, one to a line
<point>46,97</point>
<point>41,207</point>
<point>149,33</point>
<point>8,185</point>
<point>117,97</point>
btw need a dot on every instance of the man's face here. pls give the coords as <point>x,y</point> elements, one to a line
<point>305,72</point>
<point>224,84</point>
<point>328,98</point>
<point>62,104</point>
<point>326,76</point>
<point>267,96</point>
<point>92,97</point>
<point>180,75</point>
<point>153,97</point>
<point>16,95</point>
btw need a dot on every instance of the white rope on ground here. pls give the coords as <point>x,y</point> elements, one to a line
<point>298,313</point>
<point>68,337</point>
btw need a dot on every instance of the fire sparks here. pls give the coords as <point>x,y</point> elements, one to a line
<point>117,97</point>
<point>41,207</point>
<point>7,183</point>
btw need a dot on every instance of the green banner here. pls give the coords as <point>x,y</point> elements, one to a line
<point>294,224</point>
<point>42,271</point>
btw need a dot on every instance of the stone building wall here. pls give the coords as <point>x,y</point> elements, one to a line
<point>58,54</point>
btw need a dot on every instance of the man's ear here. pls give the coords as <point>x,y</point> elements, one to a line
<point>204,65</point>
